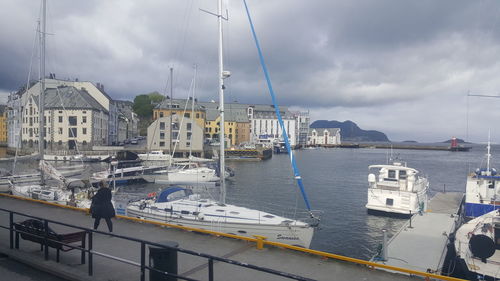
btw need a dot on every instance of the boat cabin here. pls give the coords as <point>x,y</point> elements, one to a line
<point>393,177</point>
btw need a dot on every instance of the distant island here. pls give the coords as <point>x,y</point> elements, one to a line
<point>410,141</point>
<point>350,132</point>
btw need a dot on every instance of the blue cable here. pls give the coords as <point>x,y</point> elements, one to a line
<point>276,108</point>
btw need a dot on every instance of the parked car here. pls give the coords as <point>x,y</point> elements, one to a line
<point>134,141</point>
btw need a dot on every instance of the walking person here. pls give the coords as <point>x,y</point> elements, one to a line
<point>102,207</point>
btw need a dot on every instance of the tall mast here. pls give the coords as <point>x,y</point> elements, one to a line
<point>171,115</point>
<point>41,99</point>
<point>221,108</point>
<point>192,108</point>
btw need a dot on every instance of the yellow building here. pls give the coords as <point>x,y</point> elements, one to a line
<point>178,106</point>
<point>236,124</point>
<point>3,124</point>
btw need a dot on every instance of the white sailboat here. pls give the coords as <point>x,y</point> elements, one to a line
<point>179,206</point>
<point>54,192</point>
<point>189,171</point>
<point>477,245</point>
<point>398,190</point>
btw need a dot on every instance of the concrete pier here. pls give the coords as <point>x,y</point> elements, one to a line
<point>421,245</point>
<point>299,263</point>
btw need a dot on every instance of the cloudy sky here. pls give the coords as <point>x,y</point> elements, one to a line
<point>401,67</point>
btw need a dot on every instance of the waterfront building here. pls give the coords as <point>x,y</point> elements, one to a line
<point>72,118</point>
<point>3,124</point>
<point>324,136</point>
<point>181,107</point>
<point>187,135</point>
<point>302,127</point>
<point>236,125</point>
<point>265,127</point>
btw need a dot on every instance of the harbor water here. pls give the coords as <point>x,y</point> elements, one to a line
<point>336,184</point>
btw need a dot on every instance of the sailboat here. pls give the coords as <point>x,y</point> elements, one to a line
<point>482,192</point>
<point>180,206</point>
<point>190,171</point>
<point>56,192</point>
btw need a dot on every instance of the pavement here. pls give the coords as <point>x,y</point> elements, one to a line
<point>69,267</point>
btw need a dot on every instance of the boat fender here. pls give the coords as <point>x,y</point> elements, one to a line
<point>142,206</point>
<point>151,194</point>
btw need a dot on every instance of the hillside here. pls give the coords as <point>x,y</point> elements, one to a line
<point>349,131</point>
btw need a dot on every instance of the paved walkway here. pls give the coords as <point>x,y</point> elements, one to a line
<point>302,264</point>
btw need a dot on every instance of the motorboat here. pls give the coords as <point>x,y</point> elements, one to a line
<point>482,192</point>
<point>177,205</point>
<point>397,190</point>
<point>155,155</point>
<point>477,246</point>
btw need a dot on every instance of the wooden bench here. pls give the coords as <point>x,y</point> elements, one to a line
<point>34,230</point>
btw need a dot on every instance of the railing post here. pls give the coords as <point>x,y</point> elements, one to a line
<point>11,229</point>
<point>143,261</point>
<point>210,269</point>
<point>46,239</point>
<point>260,241</point>
<point>91,270</point>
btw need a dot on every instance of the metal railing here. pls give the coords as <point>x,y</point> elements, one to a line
<point>89,250</point>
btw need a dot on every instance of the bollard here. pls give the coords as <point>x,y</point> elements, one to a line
<point>384,245</point>
<point>163,259</point>
<point>410,220</point>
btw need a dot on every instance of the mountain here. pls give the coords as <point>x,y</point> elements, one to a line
<point>349,131</point>
<point>458,141</point>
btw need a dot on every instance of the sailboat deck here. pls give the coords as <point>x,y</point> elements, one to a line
<point>299,263</point>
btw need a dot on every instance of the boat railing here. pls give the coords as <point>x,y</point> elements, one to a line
<point>91,250</point>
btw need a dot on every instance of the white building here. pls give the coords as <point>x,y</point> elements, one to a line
<point>324,136</point>
<point>72,118</point>
<point>265,127</point>
<point>302,127</point>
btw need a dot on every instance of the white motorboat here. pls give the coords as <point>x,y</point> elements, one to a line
<point>477,245</point>
<point>482,192</point>
<point>398,190</point>
<point>179,206</point>
<point>155,155</point>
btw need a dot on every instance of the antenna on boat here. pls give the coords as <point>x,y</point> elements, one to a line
<point>488,155</point>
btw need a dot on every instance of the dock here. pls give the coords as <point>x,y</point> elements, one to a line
<point>310,264</point>
<point>421,243</point>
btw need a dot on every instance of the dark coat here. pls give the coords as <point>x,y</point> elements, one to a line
<point>101,204</point>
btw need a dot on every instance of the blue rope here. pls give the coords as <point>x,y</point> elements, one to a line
<point>276,108</point>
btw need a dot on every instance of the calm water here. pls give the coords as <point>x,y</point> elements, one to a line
<point>336,183</point>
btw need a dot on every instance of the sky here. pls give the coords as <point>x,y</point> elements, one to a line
<point>405,68</point>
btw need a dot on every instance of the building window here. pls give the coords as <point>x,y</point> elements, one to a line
<point>72,133</point>
<point>175,126</point>
<point>162,125</point>
<point>162,135</point>
<point>175,135</point>
<point>60,131</point>
<point>84,131</point>
<point>84,119</point>
<point>187,115</point>
<point>188,144</point>
<point>188,136</point>
<point>60,119</point>
<point>72,120</point>
<point>197,115</point>
<point>188,125</point>
<point>161,114</point>
<point>162,143</point>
